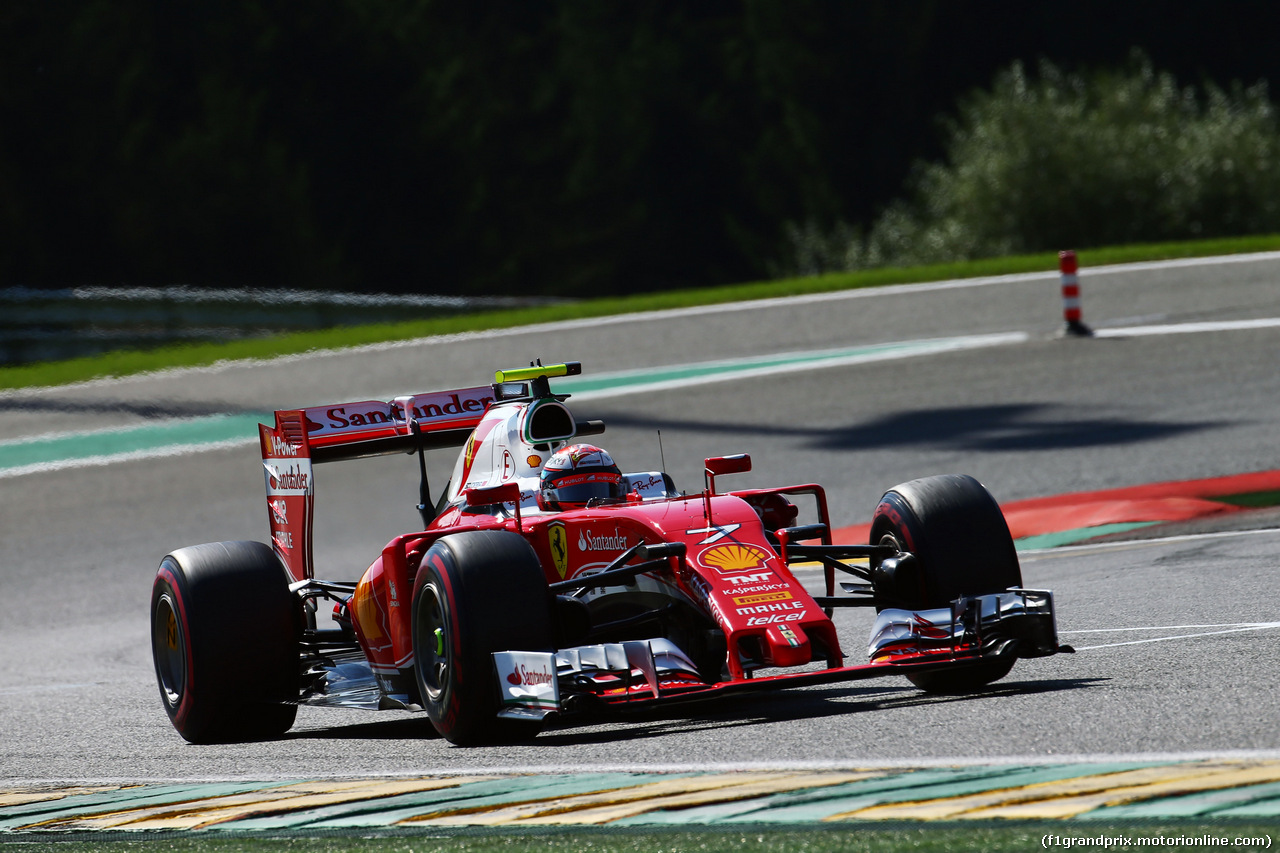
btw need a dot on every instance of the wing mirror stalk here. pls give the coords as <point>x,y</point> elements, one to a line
<point>714,466</point>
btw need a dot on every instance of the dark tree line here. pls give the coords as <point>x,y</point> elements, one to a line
<point>547,146</point>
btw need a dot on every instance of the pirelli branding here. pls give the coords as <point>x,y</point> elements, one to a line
<point>790,611</point>
<point>761,598</point>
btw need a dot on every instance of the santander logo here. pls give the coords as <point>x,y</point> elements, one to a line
<point>587,541</point>
<point>525,677</point>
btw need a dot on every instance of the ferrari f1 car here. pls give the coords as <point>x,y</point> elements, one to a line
<point>545,583</point>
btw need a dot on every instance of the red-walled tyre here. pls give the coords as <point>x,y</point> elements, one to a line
<point>962,546</point>
<point>476,593</point>
<point>224,639</point>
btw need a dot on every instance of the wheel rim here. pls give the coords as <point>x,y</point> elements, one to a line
<point>432,650</point>
<point>169,647</point>
<point>888,540</point>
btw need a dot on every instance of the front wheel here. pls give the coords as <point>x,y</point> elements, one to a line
<point>962,546</point>
<point>224,640</point>
<point>476,593</point>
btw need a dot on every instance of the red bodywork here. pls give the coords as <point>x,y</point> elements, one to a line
<point>730,569</point>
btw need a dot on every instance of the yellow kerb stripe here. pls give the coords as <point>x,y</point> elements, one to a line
<point>288,798</point>
<point>22,798</point>
<point>1071,797</point>
<point>605,806</point>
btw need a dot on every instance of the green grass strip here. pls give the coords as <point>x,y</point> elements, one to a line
<point>132,362</point>
<point>1068,537</point>
<point>1252,500</point>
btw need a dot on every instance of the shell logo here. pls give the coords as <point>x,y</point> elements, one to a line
<point>734,558</point>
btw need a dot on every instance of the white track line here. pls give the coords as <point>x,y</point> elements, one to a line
<point>671,313</point>
<point>166,451</point>
<point>1173,628</point>
<point>1129,544</point>
<point>864,763</point>
<point>1188,328</point>
<point>1258,626</point>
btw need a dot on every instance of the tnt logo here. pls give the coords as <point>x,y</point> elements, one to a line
<point>745,580</point>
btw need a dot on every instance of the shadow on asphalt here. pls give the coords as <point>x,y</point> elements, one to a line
<point>986,429</point>
<point>783,706</point>
<point>739,711</point>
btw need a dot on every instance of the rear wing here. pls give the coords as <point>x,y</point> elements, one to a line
<point>302,437</point>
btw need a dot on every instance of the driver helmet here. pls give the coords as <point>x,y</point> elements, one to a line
<point>577,475</point>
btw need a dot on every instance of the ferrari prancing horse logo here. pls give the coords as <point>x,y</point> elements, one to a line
<point>559,541</point>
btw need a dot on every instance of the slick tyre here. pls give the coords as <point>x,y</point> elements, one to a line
<point>224,639</point>
<point>476,593</point>
<point>962,546</point>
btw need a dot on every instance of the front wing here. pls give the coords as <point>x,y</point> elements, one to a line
<point>638,674</point>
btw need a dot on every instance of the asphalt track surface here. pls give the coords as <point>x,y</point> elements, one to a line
<point>1179,642</point>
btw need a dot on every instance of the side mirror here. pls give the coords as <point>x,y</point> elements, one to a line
<point>736,464</point>
<point>717,465</point>
<point>504,493</point>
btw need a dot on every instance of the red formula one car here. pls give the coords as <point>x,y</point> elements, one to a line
<point>546,582</point>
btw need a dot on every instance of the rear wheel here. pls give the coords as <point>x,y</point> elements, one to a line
<point>224,640</point>
<point>476,593</point>
<point>962,546</point>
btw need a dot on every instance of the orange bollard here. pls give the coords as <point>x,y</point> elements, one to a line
<point>1068,266</point>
